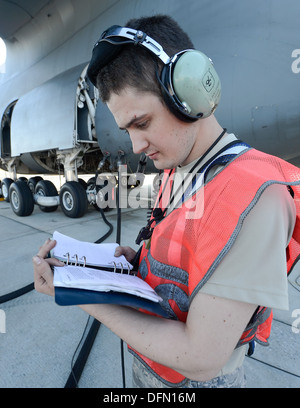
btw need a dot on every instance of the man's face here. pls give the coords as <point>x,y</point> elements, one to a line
<point>152,128</point>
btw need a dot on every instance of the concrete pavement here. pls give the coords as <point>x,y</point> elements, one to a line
<point>40,337</point>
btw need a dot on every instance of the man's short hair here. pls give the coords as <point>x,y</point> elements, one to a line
<point>137,67</point>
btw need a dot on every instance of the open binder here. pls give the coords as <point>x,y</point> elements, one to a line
<point>92,274</point>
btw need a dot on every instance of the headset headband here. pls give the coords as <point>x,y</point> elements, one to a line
<point>138,38</point>
<point>110,45</point>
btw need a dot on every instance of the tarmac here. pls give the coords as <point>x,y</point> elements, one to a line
<point>38,338</point>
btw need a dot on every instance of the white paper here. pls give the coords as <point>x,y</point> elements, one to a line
<point>102,281</point>
<point>94,254</point>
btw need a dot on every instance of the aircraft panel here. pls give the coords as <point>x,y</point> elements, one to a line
<point>114,142</point>
<point>15,14</point>
<point>44,118</point>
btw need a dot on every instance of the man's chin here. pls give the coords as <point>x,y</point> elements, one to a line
<point>159,165</point>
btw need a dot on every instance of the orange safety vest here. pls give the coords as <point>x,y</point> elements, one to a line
<point>173,266</point>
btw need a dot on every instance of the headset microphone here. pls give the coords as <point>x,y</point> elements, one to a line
<point>190,84</point>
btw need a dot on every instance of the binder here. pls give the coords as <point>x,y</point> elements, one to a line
<point>72,297</point>
<point>92,275</point>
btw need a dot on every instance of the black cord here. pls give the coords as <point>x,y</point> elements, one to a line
<point>118,233</point>
<point>17,293</point>
<point>118,241</point>
<point>110,230</point>
<point>78,366</point>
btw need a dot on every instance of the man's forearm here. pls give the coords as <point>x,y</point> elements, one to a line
<point>197,349</point>
<point>162,340</point>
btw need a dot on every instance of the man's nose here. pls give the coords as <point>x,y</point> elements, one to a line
<point>139,144</point>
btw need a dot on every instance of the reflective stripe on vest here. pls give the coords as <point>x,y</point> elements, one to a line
<point>172,265</point>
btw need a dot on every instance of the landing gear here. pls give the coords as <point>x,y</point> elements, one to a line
<point>23,194</point>
<point>74,196</point>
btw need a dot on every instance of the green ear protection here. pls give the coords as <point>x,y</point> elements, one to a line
<point>190,84</point>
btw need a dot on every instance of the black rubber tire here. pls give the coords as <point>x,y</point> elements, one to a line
<point>47,189</point>
<point>5,184</point>
<point>73,200</point>
<point>23,179</point>
<point>83,183</point>
<point>21,199</point>
<point>32,182</point>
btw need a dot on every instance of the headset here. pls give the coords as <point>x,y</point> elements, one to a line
<point>190,84</point>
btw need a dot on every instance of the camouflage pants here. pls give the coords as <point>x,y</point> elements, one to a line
<point>142,378</point>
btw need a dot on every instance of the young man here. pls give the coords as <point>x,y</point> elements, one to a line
<point>215,248</point>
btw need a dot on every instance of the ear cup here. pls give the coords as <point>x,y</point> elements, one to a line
<point>172,102</point>
<point>196,83</point>
<point>191,85</point>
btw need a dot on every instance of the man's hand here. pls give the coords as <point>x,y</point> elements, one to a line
<point>43,275</point>
<point>128,252</point>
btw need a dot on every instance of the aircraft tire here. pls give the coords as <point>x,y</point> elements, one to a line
<point>5,184</point>
<point>23,179</point>
<point>21,199</point>
<point>73,200</point>
<point>47,189</point>
<point>83,183</point>
<point>32,182</point>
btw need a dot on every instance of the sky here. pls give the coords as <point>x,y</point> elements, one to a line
<point>2,55</point>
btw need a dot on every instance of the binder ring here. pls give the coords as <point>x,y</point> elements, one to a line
<point>130,272</point>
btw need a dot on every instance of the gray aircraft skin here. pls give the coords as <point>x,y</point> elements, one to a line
<point>52,120</point>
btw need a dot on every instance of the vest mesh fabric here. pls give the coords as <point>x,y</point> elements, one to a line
<point>188,245</point>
